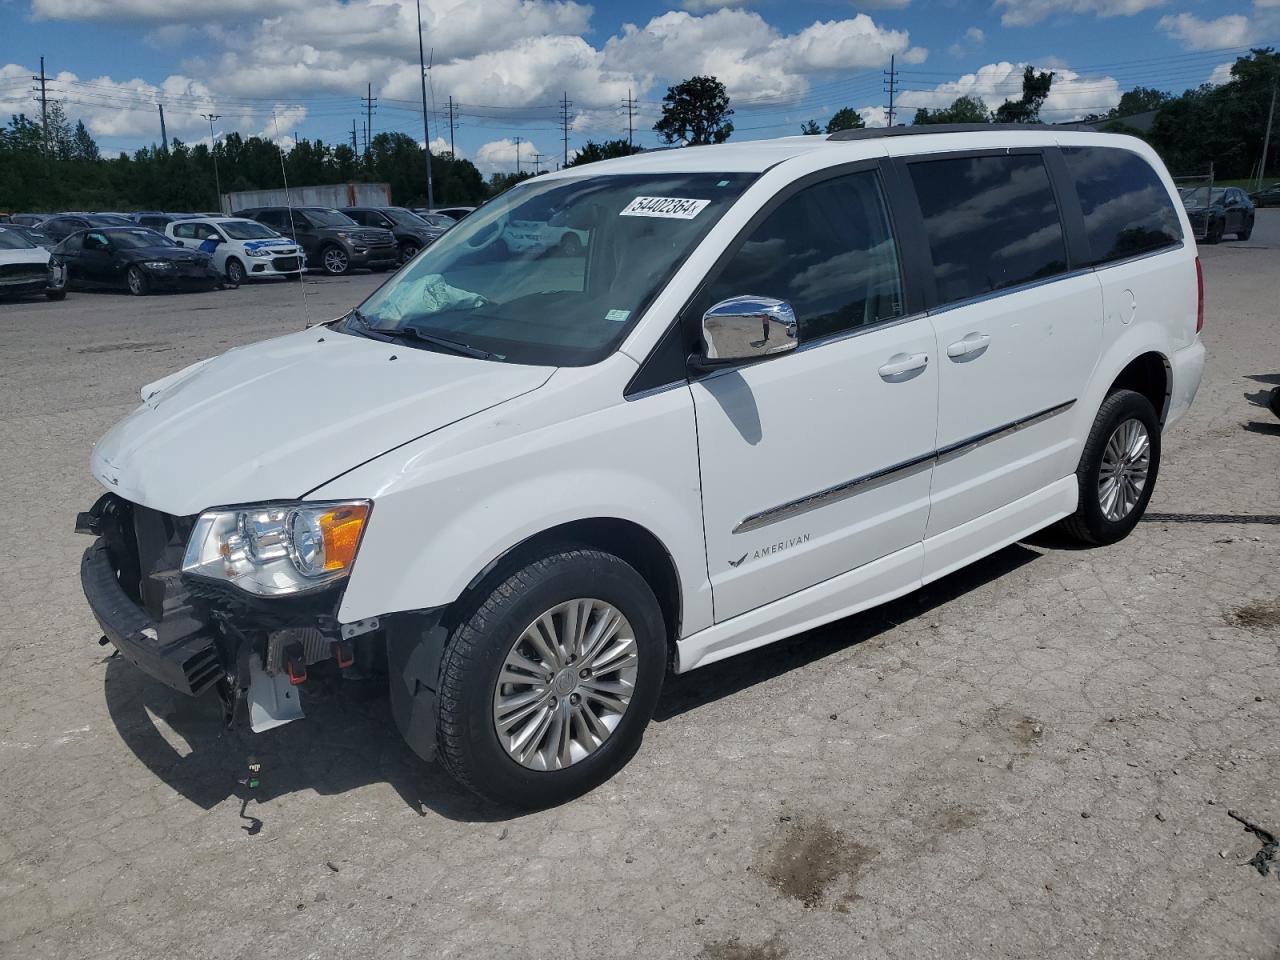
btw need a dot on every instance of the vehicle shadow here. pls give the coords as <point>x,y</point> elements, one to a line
<point>349,739</point>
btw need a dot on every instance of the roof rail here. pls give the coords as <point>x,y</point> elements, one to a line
<point>915,130</point>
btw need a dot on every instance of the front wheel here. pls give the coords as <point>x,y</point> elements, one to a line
<point>59,294</point>
<point>235,272</point>
<point>408,251</point>
<point>546,689</point>
<point>137,282</point>
<point>1117,471</point>
<point>335,261</point>
<point>1247,232</point>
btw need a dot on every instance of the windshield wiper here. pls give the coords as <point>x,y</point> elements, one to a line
<point>464,349</point>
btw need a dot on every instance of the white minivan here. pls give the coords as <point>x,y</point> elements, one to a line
<point>781,382</point>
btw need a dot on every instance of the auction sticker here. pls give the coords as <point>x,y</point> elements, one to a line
<point>672,208</point>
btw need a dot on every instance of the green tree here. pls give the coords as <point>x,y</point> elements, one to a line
<point>810,128</point>
<point>591,151</point>
<point>846,118</point>
<point>83,146</point>
<point>1026,109</point>
<point>962,110</point>
<point>695,112</point>
<point>1139,100</point>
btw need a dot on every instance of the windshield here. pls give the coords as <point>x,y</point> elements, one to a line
<point>137,238</point>
<point>405,218</point>
<point>555,271</point>
<point>1195,196</point>
<point>247,230</point>
<point>328,218</point>
<point>107,220</point>
<point>12,240</point>
<point>437,219</point>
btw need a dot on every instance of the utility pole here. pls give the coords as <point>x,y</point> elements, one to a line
<point>213,149</point>
<point>44,106</point>
<point>565,104</point>
<point>630,103</point>
<point>1266,140</point>
<point>537,163</point>
<point>517,156</point>
<point>369,101</point>
<point>355,147</point>
<point>891,86</point>
<point>164,137</point>
<point>451,147</point>
<point>426,132</point>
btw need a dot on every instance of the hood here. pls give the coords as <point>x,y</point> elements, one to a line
<point>33,255</point>
<point>177,254</point>
<point>277,419</point>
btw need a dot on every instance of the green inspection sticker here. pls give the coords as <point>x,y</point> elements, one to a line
<point>617,316</point>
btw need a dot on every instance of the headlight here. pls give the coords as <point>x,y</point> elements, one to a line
<point>259,253</point>
<point>341,234</point>
<point>158,265</point>
<point>277,549</point>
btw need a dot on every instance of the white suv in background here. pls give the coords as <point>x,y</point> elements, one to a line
<point>241,249</point>
<point>780,382</point>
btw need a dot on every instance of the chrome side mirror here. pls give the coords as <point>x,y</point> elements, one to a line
<point>747,328</point>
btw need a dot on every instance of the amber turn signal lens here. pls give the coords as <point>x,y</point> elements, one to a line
<point>342,528</point>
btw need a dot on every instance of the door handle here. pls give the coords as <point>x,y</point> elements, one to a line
<point>901,364</point>
<point>972,345</point>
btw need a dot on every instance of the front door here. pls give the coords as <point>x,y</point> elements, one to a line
<point>817,461</point>
<point>95,261</point>
<point>1018,336</point>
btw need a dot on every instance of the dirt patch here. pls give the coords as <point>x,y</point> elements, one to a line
<point>735,949</point>
<point>111,347</point>
<point>1025,730</point>
<point>1264,615</point>
<point>954,819</point>
<point>810,857</point>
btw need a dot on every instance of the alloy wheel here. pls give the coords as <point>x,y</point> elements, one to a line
<point>565,684</point>
<point>1126,461</point>
<point>135,281</point>
<point>335,260</point>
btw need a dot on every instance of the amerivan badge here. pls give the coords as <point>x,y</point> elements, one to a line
<point>669,208</point>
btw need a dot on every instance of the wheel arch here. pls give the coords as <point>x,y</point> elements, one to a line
<point>1149,374</point>
<point>625,539</point>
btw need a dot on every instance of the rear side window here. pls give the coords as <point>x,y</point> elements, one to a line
<point>991,222</point>
<point>1127,210</point>
<point>828,251</point>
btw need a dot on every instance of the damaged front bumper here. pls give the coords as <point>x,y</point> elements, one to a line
<point>194,635</point>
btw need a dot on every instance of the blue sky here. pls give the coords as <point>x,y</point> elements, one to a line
<point>507,63</point>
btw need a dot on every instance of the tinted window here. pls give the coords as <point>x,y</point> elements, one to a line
<point>992,222</point>
<point>186,231</point>
<point>271,218</point>
<point>12,240</point>
<point>1127,210</point>
<point>828,251</point>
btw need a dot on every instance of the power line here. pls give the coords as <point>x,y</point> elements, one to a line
<point>370,102</point>
<point>44,106</point>
<point>630,103</point>
<point>564,124</point>
<point>892,87</point>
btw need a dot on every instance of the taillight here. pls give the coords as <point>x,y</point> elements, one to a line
<point>1199,296</point>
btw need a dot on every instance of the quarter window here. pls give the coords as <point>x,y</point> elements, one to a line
<point>1127,210</point>
<point>829,251</point>
<point>992,222</point>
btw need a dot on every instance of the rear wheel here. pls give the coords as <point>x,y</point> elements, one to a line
<point>545,690</point>
<point>1117,471</point>
<point>137,282</point>
<point>1216,230</point>
<point>1247,232</point>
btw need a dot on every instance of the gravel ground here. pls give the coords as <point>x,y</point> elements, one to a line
<point>1033,757</point>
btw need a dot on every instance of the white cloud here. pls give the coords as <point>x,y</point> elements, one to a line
<point>1070,97</point>
<point>973,39</point>
<point>1233,30</point>
<point>1022,13</point>
<point>160,10</point>
<point>499,156</point>
<point>1221,74</point>
<point>706,6</point>
<point>874,116</point>
<point>440,145</point>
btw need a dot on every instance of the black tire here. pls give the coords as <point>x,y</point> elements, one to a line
<point>235,272</point>
<point>1215,232</point>
<point>137,282</point>
<point>466,737</point>
<point>60,294</point>
<point>571,245</point>
<point>408,251</point>
<point>334,260</point>
<point>1274,402</point>
<point>1247,232</point>
<point>1089,524</point>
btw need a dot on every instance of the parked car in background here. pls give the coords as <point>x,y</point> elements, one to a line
<point>411,230</point>
<point>120,219</point>
<point>134,257</point>
<point>157,221</point>
<point>1219,211</point>
<point>1268,196</point>
<point>24,266</point>
<point>28,219</point>
<point>34,234</point>
<point>241,248</point>
<point>330,239</point>
<point>62,225</point>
